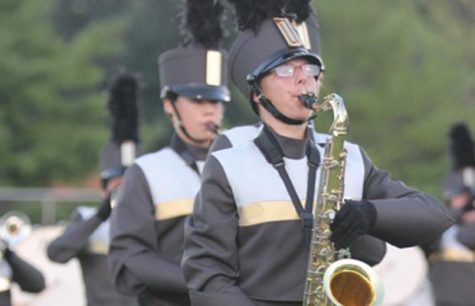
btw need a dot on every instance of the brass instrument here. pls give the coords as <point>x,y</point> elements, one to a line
<point>332,277</point>
<point>215,128</point>
<point>15,227</point>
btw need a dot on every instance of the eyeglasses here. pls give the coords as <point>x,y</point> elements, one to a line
<point>287,71</point>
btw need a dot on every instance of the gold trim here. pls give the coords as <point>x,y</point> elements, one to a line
<point>98,247</point>
<point>453,255</point>
<point>173,208</point>
<point>303,33</point>
<point>213,67</point>
<point>5,284</point>
<point>288,31</point>
<point>269,211</point>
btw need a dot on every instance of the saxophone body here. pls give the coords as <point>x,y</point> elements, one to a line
<point>332,277</point>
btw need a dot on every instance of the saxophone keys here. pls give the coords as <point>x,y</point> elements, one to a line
<point>329,215</point>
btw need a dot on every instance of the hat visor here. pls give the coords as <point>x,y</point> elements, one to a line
<point>203,92</point>
<point>112,172</point>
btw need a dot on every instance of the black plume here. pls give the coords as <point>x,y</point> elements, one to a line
<point>461,147</point>
<point>122,105</point>
<point>201,23</point>
<point>301,8</point>
<point>251,13</point>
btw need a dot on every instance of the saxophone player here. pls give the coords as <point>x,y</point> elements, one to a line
<point>246,241</point>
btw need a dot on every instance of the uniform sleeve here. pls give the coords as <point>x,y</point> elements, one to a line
<point>368,249</point>
<point>74,238</point>
<point>405,217</point>
<point>25,275</point>
<point>210,260</point>
<point>133,256</point>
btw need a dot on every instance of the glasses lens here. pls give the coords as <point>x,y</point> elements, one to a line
<point>311,70</point>
<point>284,70</point>
<point>289,70</point>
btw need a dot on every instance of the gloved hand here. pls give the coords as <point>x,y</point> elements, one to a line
<point>4,249</point>
<point>105,209</point>
<point>355,218</point>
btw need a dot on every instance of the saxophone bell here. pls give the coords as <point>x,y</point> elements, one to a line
<point>350,282</point>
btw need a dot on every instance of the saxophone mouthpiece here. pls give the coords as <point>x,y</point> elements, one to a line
<point>309,100</point>
<point>214,128</point>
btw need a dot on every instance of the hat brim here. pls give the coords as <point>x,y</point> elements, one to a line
<point>202,92</point>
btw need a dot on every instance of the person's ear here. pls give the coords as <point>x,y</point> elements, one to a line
<point>255,98</point>
<point>167,107</point>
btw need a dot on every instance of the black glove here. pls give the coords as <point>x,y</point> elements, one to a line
<point>355,218</point>
<point>4,249</point>
<point>105,209</point>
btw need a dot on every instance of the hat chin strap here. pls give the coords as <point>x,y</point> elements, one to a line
<point>182,127</point>
<point>267,104</point>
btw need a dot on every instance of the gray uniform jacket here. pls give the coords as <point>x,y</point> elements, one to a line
<point>147,224</point>
<point>86,238</point>
<point>452,265</point>
<point>13,269</point>
<point>239,256</point>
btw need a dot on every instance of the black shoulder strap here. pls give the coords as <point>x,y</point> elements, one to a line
<point>273,154</point>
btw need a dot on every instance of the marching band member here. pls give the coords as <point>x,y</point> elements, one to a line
<point>245,243</point>
<point>13,269</point>
<point>158,189</point>
<point>452,257</point>
<point>87,235</point>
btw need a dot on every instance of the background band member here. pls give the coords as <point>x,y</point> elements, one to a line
<point>245,243</point>
<point>159,188</point>
<point>452,257</point>
<point>87,235</point>
<point>13,269</point>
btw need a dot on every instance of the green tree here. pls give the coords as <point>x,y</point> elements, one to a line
<point>51,110</point>
<point>403,79</point>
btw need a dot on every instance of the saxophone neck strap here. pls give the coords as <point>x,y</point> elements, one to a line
<point>274,155</point>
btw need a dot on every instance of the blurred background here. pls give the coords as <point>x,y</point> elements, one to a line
<point>405,69</point>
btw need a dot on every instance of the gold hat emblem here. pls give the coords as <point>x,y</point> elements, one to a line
<point>295,34</point>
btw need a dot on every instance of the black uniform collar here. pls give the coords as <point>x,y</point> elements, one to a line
<point>189,153</point>
<point>291,147</point>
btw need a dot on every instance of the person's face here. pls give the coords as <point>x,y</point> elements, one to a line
<point>112,183</point>
<point>283,91</point>
<point>196,116</point>
<point>459,200</point>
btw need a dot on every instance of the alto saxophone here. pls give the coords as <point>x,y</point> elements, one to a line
<point>332,277</point>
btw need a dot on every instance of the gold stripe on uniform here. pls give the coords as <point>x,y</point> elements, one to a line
<point>269,211</point>
<point>213,67</point>
<point>173,208</point>
<point>452,254</point>
<point>98,247</point>
<point>5,283</point>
